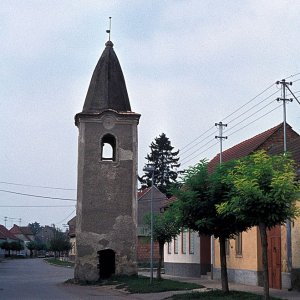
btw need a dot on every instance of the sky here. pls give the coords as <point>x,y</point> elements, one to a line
<point>187,65</point>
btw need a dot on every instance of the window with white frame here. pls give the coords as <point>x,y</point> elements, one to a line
<point>183,241</point>
<point>176,245</point>
<point>191,242</point>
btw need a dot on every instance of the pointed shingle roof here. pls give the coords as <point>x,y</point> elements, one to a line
<point>107,88</point>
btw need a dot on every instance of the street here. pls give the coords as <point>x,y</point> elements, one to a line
<point>35,279</point>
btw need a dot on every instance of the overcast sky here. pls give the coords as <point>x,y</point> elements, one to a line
<point>187,64</point>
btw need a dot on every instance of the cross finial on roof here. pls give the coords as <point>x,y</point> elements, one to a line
<point>108,31</point>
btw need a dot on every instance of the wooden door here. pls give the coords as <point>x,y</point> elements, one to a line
<point>274,257</point>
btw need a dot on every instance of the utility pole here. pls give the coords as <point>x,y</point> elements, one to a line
<point>212,240</point>
<point>285,85</point>
<point>221,137</point>
<point>20,221</point>
<point>152,170</point>
<point>5,220</point>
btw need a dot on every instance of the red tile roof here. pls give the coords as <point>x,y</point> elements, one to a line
<point>21,230</point>
<point>293,147</point>
<point>142,192</point>
<point>5,233</point>
<point>244,148</point>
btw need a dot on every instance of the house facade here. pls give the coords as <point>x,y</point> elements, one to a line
<point>143,232</point>
<point>24,234</point>
<point>187,255</point>
<point>6,236</point>
<point>244,254</point>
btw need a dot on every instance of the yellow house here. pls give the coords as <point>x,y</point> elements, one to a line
<point>243,254</point>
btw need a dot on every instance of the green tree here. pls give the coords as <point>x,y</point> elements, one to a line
<point>17,246</point>
<point>165,162</point>
<point>31,246</point>
<point>35,227</point>
<point>264,194</point>
<point>165,227</point>
<point>197,197</point>
<point>60,243</point>
<point>6,246</point>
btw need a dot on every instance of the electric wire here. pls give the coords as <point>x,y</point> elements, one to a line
<point>38,196</point>
<point>195,140</point>
<point>35,206</point>
<point>252,99</point>
<point>228,122</point>
<point>38,186</point>
<point>200,153</point>
<point>183,159</point>
<point>248,117</point>
<point>255,120</point>
<point>66,217</point>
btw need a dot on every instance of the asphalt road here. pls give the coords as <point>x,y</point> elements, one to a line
<point>35,279</point>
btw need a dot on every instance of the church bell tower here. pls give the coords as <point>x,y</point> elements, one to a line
<point>107,176</point>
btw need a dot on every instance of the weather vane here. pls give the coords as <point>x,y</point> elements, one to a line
<point>108,31</point>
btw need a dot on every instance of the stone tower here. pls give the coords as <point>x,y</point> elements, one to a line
<point>107,175</point>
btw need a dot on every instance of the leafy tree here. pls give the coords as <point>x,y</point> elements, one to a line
<point>165,227</point>
<point>35,227</point>
<point>31,246</point>
<point>16,246</point>
<point>197,198</point>
<point>264,194</point>
<point>60,243</point>
<point>6,246</point>
<point>165,161</point>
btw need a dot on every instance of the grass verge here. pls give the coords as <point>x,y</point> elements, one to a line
<point>57,262</point>
<point>141,285</point>
<point>212,295</point>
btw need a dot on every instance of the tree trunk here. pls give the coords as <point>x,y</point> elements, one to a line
<point>224,278</point>
<point>161,254</point>
<point>264,244</point>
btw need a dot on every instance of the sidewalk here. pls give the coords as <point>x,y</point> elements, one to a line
<point>216,284</point>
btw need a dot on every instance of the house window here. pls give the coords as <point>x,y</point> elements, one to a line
<point>191,242</point>
<point>227,246</point>
<point>108,148</point>
<point>169,248</point>
<point>176,245</point>
<point>238,244</point>
<point>183,241</point>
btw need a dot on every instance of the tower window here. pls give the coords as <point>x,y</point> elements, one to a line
<point>108,148</point>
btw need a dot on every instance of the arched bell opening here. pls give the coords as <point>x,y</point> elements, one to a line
<point>108,148</point>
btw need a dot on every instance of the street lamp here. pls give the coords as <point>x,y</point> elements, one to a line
<point>151,169</point>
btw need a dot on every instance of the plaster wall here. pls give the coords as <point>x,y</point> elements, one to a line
<point>180,257</point>
<point>106,200</point>
<point>250,256</point>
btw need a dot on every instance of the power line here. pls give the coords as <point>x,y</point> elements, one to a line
<point>184,158</point>
<point>252,99</point>
<point>38,196</point>
<point>253,107</point>
<point>255,120</point>
<point>65,217</point>
<point>35,206</point>
<point>38,186</point>
<point>257,111</point>
<point>195,140</point>
<point>249,101</point>
<point>200,153</point>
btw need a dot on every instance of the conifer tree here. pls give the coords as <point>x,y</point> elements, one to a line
<point>165,163</point>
